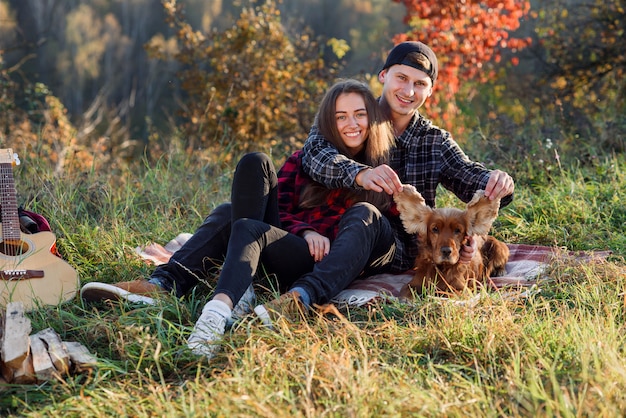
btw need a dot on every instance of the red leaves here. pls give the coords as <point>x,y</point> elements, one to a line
<point>465,35</point>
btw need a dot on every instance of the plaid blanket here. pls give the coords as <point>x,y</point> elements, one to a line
<point>525,266</point>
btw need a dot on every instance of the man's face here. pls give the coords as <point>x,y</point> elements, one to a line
<point>405,89</point>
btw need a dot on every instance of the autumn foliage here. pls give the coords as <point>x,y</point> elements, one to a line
<point>229,78</point>
<point>466,36</point>
<point>249,87</point>
<point>585,59</point>
<point>35,123</point>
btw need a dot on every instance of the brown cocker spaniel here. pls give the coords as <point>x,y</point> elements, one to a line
<point>441,233</point>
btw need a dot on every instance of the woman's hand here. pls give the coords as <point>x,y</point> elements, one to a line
<point>319,245</point>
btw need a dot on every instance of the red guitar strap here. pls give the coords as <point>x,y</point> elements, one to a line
<point>27,219</point>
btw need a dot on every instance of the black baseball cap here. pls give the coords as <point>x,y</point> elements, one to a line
<point>399,52</point>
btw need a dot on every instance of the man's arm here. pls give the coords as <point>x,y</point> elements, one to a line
<point>326,165</point>
<point>463,176</point>
<point>322,161</point>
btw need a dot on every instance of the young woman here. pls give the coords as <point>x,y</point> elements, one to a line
<point>286,222</point>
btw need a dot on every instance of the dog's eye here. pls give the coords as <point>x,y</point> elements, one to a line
<point>457,231</point>
<point>435,229</point>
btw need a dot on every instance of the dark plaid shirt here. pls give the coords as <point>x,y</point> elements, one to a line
<point>323,219</point>
<point>424,156</point>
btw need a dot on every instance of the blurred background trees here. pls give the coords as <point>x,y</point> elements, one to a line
<point>581,66</point>
<point>468,37</point>
<point>251,85</point>
<point>90,84</point>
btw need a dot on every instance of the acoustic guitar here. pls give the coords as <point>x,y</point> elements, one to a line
<point>29,271</point>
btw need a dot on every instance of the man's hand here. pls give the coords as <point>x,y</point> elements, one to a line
<point>379,179</point>
<point>467,250</point>
<point>500,184</point>
<point>319,245</point>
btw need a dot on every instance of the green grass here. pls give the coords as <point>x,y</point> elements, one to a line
<point>557,353</point>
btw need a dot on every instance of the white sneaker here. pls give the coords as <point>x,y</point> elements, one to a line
<point>209,329</point>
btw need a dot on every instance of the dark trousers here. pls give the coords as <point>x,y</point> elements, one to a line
<point>240,236</point>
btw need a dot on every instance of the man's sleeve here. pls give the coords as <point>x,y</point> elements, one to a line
<point>463,176</point>
<point>326,165</point>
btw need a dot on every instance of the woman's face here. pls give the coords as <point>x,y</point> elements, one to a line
<point>352,121</point>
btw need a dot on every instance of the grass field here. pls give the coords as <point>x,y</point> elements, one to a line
<point>558,353</point>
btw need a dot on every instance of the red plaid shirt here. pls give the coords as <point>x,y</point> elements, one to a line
<point>323,219</point>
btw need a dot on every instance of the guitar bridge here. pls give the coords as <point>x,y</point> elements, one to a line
<point>21,274</point>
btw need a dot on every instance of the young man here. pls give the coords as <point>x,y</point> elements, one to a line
<point>424,155</point>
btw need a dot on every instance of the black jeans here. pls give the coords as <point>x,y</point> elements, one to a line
<point>253,196</point>
<point>241,235</point>
<point>364,245</point>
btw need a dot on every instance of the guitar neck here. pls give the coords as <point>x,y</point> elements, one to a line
<point>8,199</point>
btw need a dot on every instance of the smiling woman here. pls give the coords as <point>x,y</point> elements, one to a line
<point>349,106</point>
<point>287,222</point>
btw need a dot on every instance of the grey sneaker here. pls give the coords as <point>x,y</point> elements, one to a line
<point>288,307</point>
<point>208,331</point>
<point>245,305</point>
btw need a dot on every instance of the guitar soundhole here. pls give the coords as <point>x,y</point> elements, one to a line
<point>13,248</point>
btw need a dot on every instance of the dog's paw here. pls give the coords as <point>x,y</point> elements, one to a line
<point>407,293</point>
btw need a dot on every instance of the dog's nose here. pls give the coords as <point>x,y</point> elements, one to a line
<point>446,251</point>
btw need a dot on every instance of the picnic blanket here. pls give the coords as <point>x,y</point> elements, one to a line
<point>525,267</point>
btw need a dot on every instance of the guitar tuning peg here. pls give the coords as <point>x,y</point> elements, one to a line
<point>16,158</point>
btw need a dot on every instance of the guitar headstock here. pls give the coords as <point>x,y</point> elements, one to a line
<point>7,156</point>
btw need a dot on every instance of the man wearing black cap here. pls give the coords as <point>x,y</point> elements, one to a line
<point>425,155</point>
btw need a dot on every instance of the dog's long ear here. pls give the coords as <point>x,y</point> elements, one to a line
<point>413,209</point>
<point>481,213</point>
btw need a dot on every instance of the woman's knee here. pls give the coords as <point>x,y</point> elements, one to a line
<point>367,217</point>
<point>363,211</point>
<point>254,165</point>
<point>248,226</point>
<point>253,160</point>
<point>222,213</point>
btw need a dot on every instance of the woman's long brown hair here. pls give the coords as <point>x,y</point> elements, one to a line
<point>377,145</point>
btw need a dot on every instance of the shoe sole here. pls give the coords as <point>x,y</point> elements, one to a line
<point>94,291</point>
